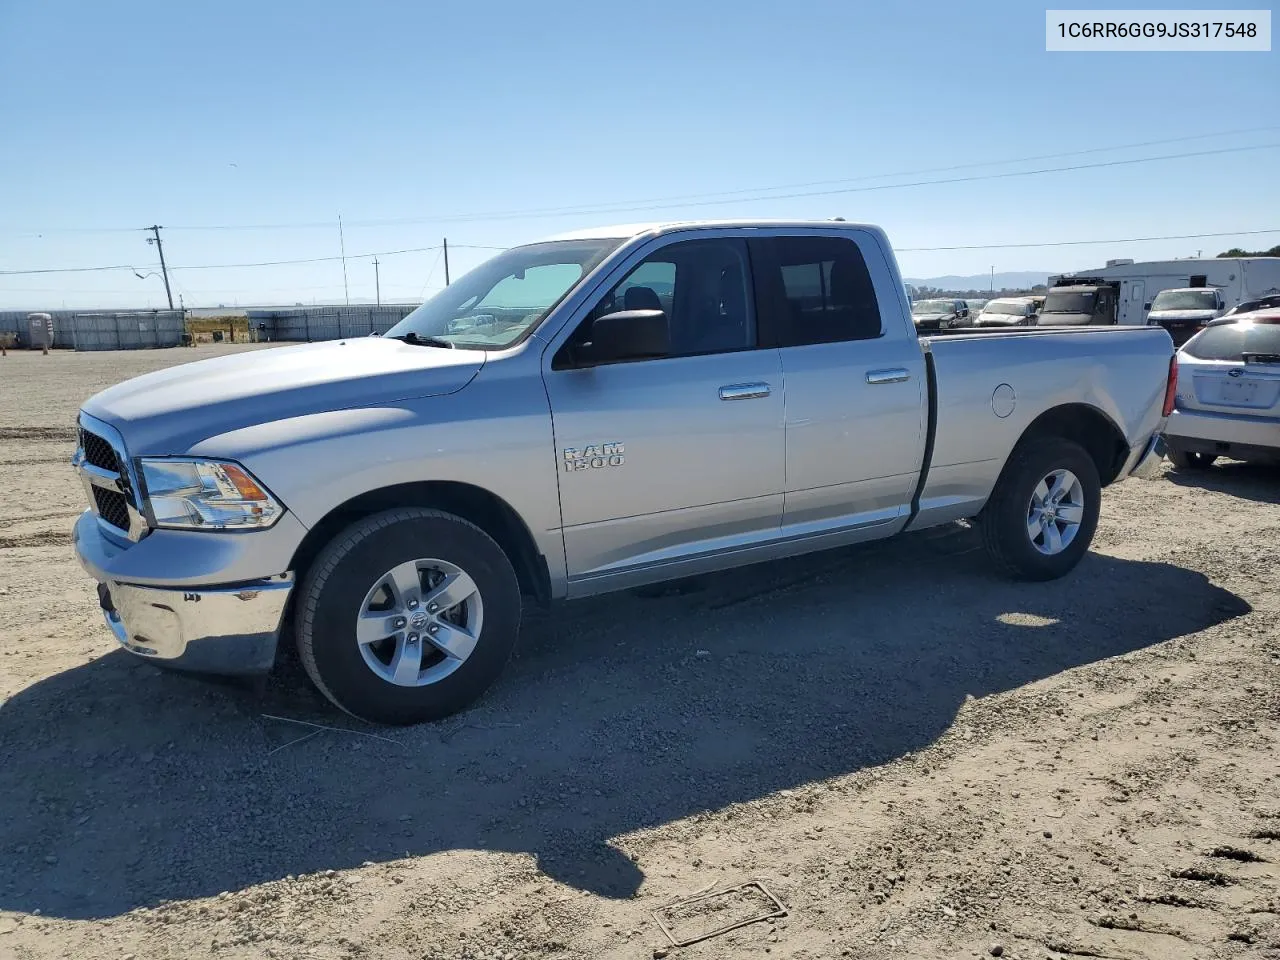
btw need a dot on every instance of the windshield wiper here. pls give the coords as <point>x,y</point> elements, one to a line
<point>418,341</point>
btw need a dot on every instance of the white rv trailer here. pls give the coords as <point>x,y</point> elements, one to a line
<point>1236,279</point>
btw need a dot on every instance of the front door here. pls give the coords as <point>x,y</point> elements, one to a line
<point>663,459</point>
<point>855,381</point>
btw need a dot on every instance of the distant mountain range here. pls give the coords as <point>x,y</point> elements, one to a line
<point>1015,280</point>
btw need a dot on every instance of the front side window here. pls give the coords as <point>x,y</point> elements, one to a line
<point>703,288</point>
<point>827,292</point>
<point>500,301</point>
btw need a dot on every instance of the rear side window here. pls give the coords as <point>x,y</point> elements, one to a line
<point>823,291</point>
<point>1231,341</point>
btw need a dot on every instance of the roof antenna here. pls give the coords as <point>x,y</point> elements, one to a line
<point>841,219</point>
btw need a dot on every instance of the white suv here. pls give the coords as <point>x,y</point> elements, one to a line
<point>1228,393</point>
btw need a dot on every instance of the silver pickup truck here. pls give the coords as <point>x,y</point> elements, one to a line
<point>599,411</point>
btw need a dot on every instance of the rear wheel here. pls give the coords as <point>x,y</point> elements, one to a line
<point>1190,459</point>
<point>408,615</point>
<point>1043,512</point>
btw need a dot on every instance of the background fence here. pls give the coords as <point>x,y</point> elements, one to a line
<point>81,330</point>
<point>142,329</point>
<point>324,323</point>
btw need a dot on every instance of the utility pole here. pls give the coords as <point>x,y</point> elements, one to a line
<point>992,288</point>
<point>155,230</point>
<point>342,247</point>
<point>377,283</point>
<point>446,261</point>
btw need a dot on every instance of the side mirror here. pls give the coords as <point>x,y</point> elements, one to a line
<point>628,335</point>
<point>1147,305</point>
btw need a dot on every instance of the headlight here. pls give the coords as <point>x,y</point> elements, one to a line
<point>189,494</point>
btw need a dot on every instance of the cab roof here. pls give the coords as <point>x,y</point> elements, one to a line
<point>627,231</point>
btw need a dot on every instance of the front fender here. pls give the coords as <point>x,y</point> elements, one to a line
<point>499,440</point>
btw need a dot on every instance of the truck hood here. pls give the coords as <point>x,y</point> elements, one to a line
<point>166,412</point>
<point>1156,316</point>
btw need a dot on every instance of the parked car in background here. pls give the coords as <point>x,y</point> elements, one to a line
<point>975,306</point>
<point>1007,312</point>
<point>1080,304</point>
<point>1185,311</point>
<point>939,314</point>
<point>1227,402</point>
<point>1249,306</point>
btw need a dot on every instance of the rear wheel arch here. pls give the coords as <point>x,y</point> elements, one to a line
<point>1087,426</point>
<point>481,507</point>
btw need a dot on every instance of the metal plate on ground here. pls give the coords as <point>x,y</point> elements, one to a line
<point>708,915</point>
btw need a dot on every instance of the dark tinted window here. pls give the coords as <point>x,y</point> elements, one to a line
<point>702,285</point>
<point>1230,341</point>
<point>826,291</point>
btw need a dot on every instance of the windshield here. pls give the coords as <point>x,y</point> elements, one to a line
<point>1231,341</point>
<point>932,306</point>
<point>1016,308</point>
<point>501,300</point>
<point>1061,301</point>
<point>1185,300</point>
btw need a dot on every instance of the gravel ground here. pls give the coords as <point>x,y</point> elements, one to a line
<point>918,758</point>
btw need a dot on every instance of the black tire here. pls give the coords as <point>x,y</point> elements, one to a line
<point>1190,459</point>
<point>1004,519</point>
<point>329,600</point>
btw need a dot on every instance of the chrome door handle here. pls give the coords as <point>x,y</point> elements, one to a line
<point>744,391</point>
<point>888,375</point>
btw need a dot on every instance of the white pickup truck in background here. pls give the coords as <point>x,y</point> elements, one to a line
<point>602,410</point>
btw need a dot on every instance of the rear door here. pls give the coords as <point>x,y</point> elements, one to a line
<point>1133,302</point>
<point>855,384</point>
<point>666,458</point>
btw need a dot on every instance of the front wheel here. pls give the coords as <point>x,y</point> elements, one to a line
<point>407,616</point>
<point>1043,512</point>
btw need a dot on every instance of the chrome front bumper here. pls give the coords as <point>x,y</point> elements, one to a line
<point>232,628</point>
<point>228,630</point>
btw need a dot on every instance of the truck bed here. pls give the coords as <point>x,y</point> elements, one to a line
<point>988,385</point>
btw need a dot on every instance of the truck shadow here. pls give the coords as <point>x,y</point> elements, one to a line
<point>124,786</point>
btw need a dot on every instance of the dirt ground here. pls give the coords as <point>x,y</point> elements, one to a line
<point>917,758</point>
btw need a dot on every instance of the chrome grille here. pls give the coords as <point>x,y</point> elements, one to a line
<point>98,451</point>
<point>113,507</point>
<point>104,468</point>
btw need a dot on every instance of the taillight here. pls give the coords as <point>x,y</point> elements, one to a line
<point>1171,386</point>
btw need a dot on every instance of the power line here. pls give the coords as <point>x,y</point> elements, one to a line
<point>587,209</point>
<point>949,180</point>
<point>624,205</point>
<point>259,263</point>
<point>1084,243</point>
<point>14,273</point>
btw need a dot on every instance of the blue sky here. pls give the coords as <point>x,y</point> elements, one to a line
<point>235,114</point>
